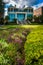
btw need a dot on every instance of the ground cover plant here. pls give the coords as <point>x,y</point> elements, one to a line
<point>34,47</point>
<point>21,45</point>
<point>12,41</point>
<point>7,53</point>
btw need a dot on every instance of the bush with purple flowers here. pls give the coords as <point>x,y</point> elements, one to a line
<point>12,46</point>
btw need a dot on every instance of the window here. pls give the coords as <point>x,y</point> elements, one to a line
<point>11,9</point>
<point>31,10</point>
<point>8,9</point>
<point>15,10</point>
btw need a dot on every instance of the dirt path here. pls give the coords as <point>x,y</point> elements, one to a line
<point>21,50</point>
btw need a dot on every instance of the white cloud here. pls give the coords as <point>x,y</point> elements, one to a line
<point>38,6</point>
<point>6,1</point>
<point>21,3</point>
<point>12,2</point>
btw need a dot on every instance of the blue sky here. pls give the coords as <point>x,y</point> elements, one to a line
<point>21,3</point>
<point>40,1</point>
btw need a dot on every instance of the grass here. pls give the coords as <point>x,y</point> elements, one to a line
<point>9,30</point>
<point>17,26</point>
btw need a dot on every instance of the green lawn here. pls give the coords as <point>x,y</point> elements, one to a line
<point>18,26</point>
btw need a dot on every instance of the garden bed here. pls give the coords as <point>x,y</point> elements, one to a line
<point>21,45</point>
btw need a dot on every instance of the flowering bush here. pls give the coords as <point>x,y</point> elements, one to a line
<point>12,48</point>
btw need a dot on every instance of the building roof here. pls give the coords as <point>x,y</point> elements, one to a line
<point>19,8</point>
<point>38,8</point>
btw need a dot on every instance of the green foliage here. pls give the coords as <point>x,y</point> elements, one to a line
<point>6,20</point>
<point>30,18</point>
<point>41,18</point>
<point>1,11</point>
<point>12,48</point>
<point>7,53</point>
<point>15,21</point>
<point>38,19</point>
<point>13,53</point>
<point>34,47</point>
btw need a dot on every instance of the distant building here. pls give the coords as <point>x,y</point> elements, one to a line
<point>38,11</point>
<point>19,13</point>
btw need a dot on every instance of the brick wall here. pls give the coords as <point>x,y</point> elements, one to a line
<point>38,12</point>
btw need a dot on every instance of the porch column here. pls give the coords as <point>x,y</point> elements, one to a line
<point>25,16</point>
<point>16,15</point>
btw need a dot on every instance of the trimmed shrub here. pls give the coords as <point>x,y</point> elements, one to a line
<point>34,48</point>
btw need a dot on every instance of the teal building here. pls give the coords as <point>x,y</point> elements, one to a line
<point>19,13</point>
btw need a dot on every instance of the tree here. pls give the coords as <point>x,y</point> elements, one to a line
<point>41,18</point>
<point>36,19</point>
<point>30,18</point>
<point>2,21</point>
<point>6,20</point>
<point>15,21</point>
<point>1,10</point>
